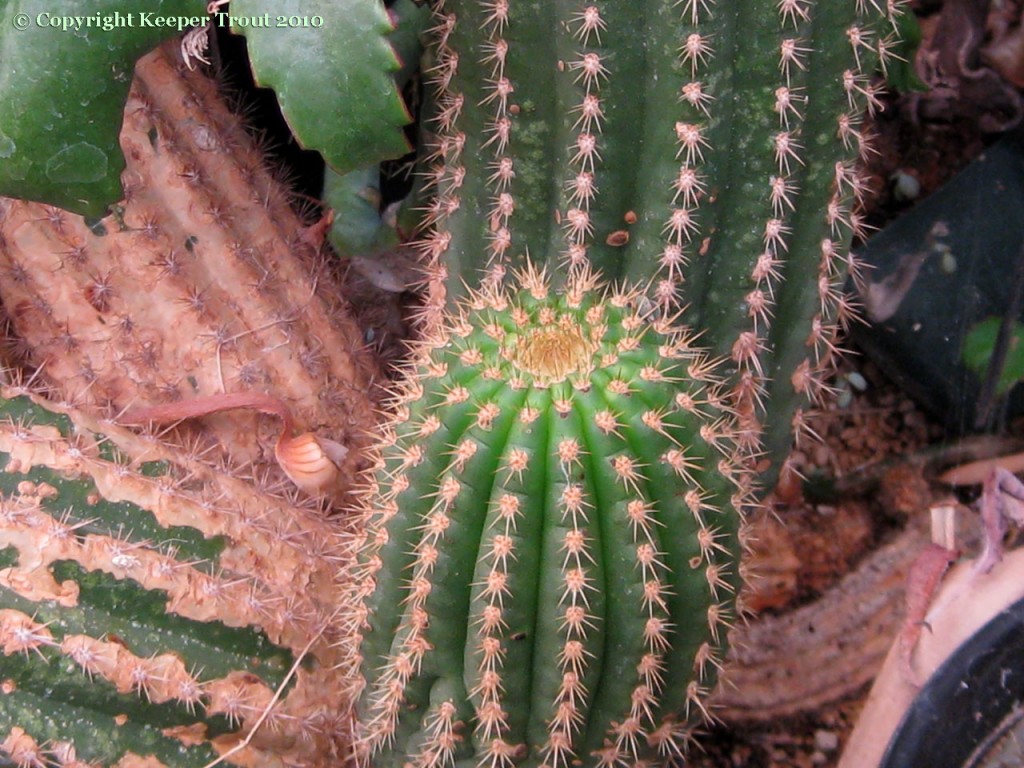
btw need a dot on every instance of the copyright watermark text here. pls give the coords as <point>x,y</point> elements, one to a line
<point>112,20</point>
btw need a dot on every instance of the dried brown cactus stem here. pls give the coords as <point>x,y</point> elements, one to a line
<point>154,611</point>
<point>201,284</point>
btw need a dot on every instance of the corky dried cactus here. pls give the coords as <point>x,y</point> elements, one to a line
<point>202,283</point>
<point>555,524</point>
<point>150,609</point>
<point>564,586</point>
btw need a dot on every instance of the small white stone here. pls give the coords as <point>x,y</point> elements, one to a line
<point>826,741</point>
<point>857,381</point>
<point>905,186</point>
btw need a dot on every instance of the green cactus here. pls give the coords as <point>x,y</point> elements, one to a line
<point>565,587</point>
<point>150,610</point>
<point>556,521</point>
<point>706,149</point>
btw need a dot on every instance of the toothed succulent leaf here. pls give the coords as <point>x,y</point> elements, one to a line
<point>552,559</point>
<point>332,69</point>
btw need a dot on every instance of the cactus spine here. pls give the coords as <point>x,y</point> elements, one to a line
<point>556,520</point>
<point>150,607</point>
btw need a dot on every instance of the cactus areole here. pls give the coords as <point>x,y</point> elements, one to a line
<point>553,564</point>
<point>555,522</point>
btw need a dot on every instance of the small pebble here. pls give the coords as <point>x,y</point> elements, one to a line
<point>845,397</point>
<point>905,186</point>
<point>826,741</point>
<point>857,381</point>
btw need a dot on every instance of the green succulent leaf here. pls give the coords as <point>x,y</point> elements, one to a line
<point>333,71</point>
<point>901,75</point>
<point>411,21</point>
<point>360,228</point>
<point>357,194</point>
<point>63,86</point>
<point>981,341</point>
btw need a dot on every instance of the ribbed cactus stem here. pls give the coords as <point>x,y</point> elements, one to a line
<point>706,149</point>
<point>552,562</point>
<point>555,523</point>
<point>153,611</point>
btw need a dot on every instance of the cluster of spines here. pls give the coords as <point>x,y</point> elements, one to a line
<point>751,348</point>
<point>554,466</point>
<point>203,281</point>
<point>84,521</point>
<point>581,185</point>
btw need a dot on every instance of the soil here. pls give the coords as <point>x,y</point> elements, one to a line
<point>864,440</point>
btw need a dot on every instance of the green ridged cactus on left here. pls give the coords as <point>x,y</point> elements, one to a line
<point>151,608</point>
